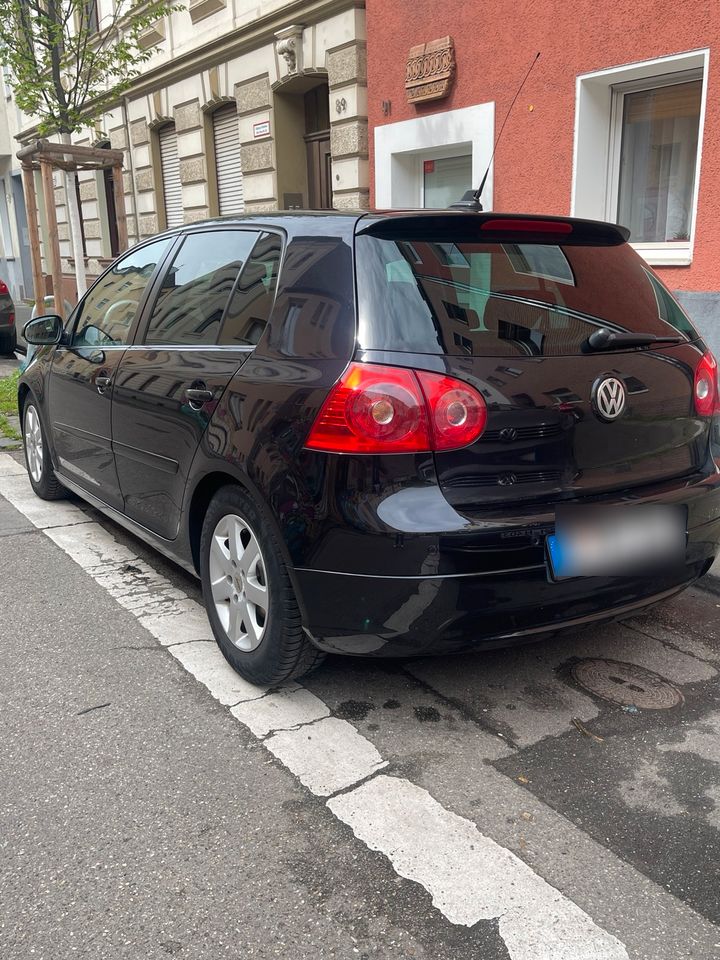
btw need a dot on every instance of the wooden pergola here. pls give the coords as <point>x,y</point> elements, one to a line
<point>45,156</point>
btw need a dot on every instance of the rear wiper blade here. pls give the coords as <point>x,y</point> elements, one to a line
<point>604,339</point>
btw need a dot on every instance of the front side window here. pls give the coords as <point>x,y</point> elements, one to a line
<point>659,129</point>
<point>196,288</point>
<point>106,315</point>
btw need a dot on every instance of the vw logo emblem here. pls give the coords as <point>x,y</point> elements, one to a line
<point>609,398</point>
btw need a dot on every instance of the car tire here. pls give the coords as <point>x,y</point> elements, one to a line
<point>248,594</point>
<point>37,455</point>
<point>8,344</point>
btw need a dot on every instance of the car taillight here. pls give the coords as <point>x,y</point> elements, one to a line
<point>378,409</point>
<point>3,288</point>
<point>707,387</point>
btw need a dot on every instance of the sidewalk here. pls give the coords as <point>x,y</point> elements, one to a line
<point>140,819</point>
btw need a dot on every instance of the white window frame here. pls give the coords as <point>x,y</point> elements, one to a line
<point>598,126</point>
<point>675,251</point>
<point>401,147</point>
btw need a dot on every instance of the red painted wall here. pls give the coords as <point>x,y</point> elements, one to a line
<point>495,42</point>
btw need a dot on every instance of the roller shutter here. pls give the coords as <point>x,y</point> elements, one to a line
<point>170,168</point>
<point>226,137</point>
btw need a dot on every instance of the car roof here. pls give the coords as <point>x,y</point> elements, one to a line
<point>336,222</point>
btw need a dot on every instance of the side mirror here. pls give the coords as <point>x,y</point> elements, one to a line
<point>43,330</point>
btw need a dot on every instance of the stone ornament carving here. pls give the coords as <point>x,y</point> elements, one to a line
<point>286,49</point>
<point>430,71</point>
<point>288,46</point>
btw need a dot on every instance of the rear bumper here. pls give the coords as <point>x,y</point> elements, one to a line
<point>411,616</point>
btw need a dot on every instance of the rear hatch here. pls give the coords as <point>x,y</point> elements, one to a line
<point>537,315</point>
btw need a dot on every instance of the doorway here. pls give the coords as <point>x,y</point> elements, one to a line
<point>317,146</point>
<point>110,208</point>
<point>302,143</point>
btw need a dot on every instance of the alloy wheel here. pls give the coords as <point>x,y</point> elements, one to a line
<point>33,443</point>
<point>238,581</point>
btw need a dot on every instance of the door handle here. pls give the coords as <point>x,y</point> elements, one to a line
<point>102,382</point>
<point>197,396</point>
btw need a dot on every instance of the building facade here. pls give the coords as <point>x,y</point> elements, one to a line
<point>15,265</point>
<point>240,108</point>
<point>619,120</point>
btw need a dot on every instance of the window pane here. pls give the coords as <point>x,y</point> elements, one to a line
<point>196,288</point>
<point>107,312</point>
<point>249,309</point>
<point>540,260</point>
<point>446,180</point>
<point>657,161</point>
<point>470,298</point>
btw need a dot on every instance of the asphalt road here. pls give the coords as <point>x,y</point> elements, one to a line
<point>139,818</point>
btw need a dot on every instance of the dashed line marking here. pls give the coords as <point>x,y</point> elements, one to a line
<point>468,875</point>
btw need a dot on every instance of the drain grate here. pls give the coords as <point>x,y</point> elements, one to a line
<point>626,684</point>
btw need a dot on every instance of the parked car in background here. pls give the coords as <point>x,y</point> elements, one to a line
<point>388,434</point>
<point>8,332</point>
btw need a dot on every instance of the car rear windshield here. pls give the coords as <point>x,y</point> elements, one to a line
<point>505,299</point>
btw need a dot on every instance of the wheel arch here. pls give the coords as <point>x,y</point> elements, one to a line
<point>203,492</point>
<point>24,392</point>
<point>205,489</point>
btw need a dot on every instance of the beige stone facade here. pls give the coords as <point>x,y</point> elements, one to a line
<point>214,54</point>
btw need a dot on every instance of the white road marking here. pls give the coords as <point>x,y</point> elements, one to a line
<point>326,756</point>
<point>468,875</point>
<point>284,710</point>
<point>41,513</point>
<point>11,468</point>
<point>205,662</point>
<point>186,622</point>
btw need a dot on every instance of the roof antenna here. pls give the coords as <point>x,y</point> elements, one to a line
<point>471,198</point>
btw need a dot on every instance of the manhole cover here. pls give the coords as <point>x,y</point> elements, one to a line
<point>627,684</point>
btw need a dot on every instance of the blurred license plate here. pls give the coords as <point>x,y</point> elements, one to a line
<point>616,541</point>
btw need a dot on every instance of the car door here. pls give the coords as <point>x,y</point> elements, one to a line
<point>83,371</point>
<point>211,306</point>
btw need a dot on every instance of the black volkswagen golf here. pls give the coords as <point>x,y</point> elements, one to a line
<point>388,434</point>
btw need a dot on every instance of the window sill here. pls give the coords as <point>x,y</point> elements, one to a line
<point>151,36</point>
<point>200,9</point>
<point>664,254</point>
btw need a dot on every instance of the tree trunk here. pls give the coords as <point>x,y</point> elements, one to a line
<point>74,221</point>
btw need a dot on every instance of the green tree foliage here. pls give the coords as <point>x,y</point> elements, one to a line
<point>70,60</point>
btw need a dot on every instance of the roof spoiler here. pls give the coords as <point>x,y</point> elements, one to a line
<point>490,227</point>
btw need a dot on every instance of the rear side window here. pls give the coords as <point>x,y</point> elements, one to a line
<point>505,299</point>
<point>196,288</point>
<point>249,309</point>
